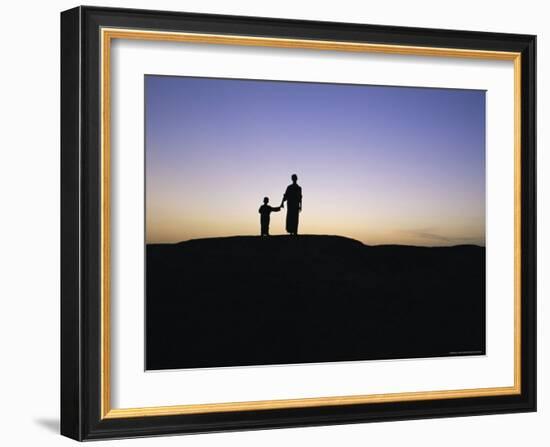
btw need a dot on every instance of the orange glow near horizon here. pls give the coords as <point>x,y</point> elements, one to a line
<point>383,165</point>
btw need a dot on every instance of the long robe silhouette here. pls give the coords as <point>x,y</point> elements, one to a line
<point>293,198</point>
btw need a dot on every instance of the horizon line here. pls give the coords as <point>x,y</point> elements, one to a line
<point>315,235</point>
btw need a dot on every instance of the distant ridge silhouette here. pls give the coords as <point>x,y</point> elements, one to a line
<point>306,236</point>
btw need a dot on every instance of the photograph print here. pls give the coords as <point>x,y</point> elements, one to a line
<point>301,222</point>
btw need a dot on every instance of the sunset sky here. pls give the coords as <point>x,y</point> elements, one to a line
<point>384,165</point>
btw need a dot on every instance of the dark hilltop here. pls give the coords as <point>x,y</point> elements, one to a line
<point>249,300</point>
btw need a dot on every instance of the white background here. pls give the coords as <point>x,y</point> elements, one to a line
<point>132,387</point>
<point>29,184</point>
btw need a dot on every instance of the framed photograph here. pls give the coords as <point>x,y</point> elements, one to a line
<point>278,223</point>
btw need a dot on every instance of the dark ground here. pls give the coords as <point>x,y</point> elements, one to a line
<point>253,301</point>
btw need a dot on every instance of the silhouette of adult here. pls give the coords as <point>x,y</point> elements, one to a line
<point>293,199</point>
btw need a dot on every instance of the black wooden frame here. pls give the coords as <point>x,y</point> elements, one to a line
<point>80,223</point>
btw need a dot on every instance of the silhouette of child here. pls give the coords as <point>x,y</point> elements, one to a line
<point>265,210</point>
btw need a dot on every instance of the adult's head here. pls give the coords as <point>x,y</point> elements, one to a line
<point>266,200</point>
<point>294,178</point>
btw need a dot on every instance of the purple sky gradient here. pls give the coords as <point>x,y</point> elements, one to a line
<point>384,165</point>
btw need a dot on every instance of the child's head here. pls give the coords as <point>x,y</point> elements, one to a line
<point>266,200</point>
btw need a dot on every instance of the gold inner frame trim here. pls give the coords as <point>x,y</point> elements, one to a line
<point>107,35</point>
